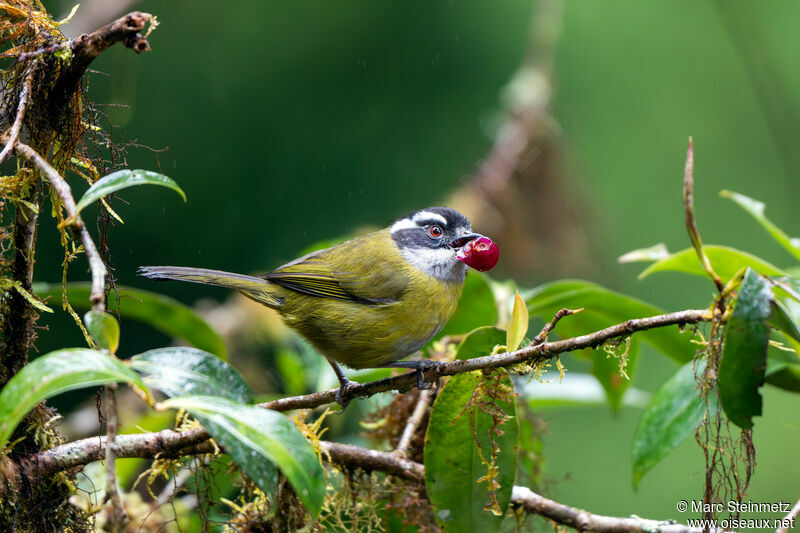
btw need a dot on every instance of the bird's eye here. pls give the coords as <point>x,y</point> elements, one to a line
<point>435,231</point>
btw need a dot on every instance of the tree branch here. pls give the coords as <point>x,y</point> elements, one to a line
<point>529,354</point>
<point>586,521</point>
<point>24,96</point>
<point>64,192</point>
<point>414,421</point>
<point>389,463</point>
<point>85,48</point>
<point>790,518</point>
<point>168,443</point>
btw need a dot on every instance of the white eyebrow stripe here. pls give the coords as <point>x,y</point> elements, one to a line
<point>427,215</point>
<point>405,223</point>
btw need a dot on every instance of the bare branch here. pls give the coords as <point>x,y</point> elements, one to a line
<point>691,223</point>
<point>414,421</point>
<point>585,521</point>
<point>542,336</point>
<point>24,96</point>
<point>790,518</point>
<point>119,515</point>
<point>64,192</point>
<point>85,48</point>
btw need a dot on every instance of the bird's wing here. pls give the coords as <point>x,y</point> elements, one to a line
<point>348,271</point>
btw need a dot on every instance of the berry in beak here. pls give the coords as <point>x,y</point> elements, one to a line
<point>477,251</point>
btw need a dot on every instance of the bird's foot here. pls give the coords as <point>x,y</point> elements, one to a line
<point>341,394</point>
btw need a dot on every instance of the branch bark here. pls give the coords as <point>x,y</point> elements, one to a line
<point>170,443</point>
<point>87,47</point>
<point>64,192</point>
<point>529,354</point>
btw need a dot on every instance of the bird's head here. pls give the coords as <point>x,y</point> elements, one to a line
<point>439,242</point>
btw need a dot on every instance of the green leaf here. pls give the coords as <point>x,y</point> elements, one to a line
<point>251,435</point>
<point>673,414</point>
<point>104,330</point>
<point>782,320</point>
<point>744,352</point>
<point>783,375</point>
<point>165,314</point>
<point>30,298</point>
<point>480,342</point>
<point>603,308</point>
<point>54,373</point>
<point>452,460</point>
<point>122,179</point>
<point>756,210</point>
<point>518,325</point>
<point>727,263</point>
<point>475,309</point>
<point>609,306</point>
<point>184,371</point>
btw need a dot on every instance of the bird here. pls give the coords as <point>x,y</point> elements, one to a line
<point>371,300</point>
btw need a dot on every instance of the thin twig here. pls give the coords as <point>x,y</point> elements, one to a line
<point>24,96</point>
<point>585,521</point>
<point>691,223</point>
<point>64,192</point>
<point>542,336</point>
<point>87,47</point>
<point>120,517</point>
<point>27,56</point>
<point>414,421</point>
<point>790,519</point>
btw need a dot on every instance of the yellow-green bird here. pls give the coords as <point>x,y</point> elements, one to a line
<point>370,301</point>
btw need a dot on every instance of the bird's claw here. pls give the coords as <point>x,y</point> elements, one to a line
<point>344,389</point>
<point>424,365</point>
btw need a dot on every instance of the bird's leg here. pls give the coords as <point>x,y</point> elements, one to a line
<point>420,366</point>
<point>344,386</point>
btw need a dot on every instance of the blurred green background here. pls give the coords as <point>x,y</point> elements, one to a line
<point>291,122</point>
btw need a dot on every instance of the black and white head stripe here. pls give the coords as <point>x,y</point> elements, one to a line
<point>448,219</point>
<point>425,239</point>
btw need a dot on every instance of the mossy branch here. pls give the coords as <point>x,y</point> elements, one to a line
<point>168,443</point>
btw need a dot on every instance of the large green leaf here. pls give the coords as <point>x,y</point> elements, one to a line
<point>184,371</point>
<point>727,263</point>
<point>453,463</point>
<point>744,352</point>
<point>609,307</point>
<point>480,342</point>
<point>251,435</point>
<point>165,314</point>
<point>475,309</point>
<point>122,179</point>
<point>54,373</point>
<point>756,210</point>
<point>673,414</point>
<point>603,308</point>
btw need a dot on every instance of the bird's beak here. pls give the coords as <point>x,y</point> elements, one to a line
<point>464,239</point>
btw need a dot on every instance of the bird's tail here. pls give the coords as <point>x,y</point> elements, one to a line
<point>258,289</point>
